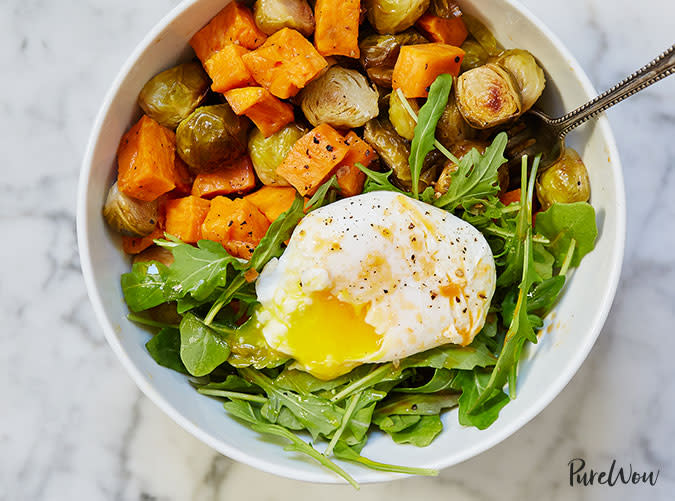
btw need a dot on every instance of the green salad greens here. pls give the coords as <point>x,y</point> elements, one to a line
<point>226,357</point>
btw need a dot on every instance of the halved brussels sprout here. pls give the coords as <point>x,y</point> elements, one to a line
<point>527,72</point>
<point>394,16</point>
<point>458,149</point>
<point>487,96</point>
<point>392,149</point>
<point>452,128</point>
<point>400,118</point>
<point>268,152</point>
<point>170,96</point>
<point>565,181</point>
<point>379,54</point>
<point>444,8</point>
<point>210,137</point>
<point>341,98</point>
<point>128,216</point>
<point>474,55</point>
<point>273,15</point>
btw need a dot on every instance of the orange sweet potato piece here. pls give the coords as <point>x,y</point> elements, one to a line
<point>232,25</point>
<point>285,63</point>
<point>227,70</point>
<point>136,245</point>
<point>272,201</point>
<point>184,218</point>
<point>313,159</point>
<point>267,112</point>
<point>510,197</point>
<point>418,66</point>
<point>236,177</point>
<point>337,27</point>
<point>145,160</point>
<point>450,31</point>
<point>237,224</point>
<point>350,178</point>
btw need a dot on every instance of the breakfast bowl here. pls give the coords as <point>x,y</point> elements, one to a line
<point>565,341</point>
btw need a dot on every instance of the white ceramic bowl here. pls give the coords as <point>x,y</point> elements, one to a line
<point>576,324</point>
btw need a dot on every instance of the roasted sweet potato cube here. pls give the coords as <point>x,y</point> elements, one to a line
<point>236,177</point>
<point>232,25</point>
<point>272,201</point>
<point>267,112</point>
<point>145,160</point>
<point>350,178</point>
<point>418,66</point>
<point>184,218</point>
<point>227,70</point>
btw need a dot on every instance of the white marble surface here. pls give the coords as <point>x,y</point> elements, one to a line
<point>74,426</point>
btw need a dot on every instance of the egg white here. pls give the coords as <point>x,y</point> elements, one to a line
<point>420,277</point>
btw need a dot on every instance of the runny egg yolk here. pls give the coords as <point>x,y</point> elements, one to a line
<point>327,334</point>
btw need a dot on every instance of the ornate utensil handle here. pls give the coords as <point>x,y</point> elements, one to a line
<point>654,71</point>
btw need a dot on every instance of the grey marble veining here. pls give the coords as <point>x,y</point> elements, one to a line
<point>74,426</point>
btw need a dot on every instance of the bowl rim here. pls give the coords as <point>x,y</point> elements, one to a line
<point>320,475</point>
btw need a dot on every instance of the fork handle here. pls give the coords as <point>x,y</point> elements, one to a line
<point>654,71</point>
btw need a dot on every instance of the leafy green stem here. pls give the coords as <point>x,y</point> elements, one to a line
<point>232,395</point>
<point>365,382</point>
<point>500,232</point>
<point>343,424</point>
<point>413,115</point>
<point>568,258</point>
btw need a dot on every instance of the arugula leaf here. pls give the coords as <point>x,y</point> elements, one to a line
<point>441,380</point>
<point>201,348</point>
<point>378,181</point>
<point>397,422</point>
<point>474,384</point>
<point>424,404</point>
<point>200,270</point>
<point>164,348</point>
<point>145,286</point>
<point>476,176</point>
<point>421,433</point>
<point>545,294</point>
<point>543,261</point>
<point>319,198</point>
<point>358,425</point>
<point>344,451</point>
<point>232,382</point>
<point>451,356</point>
<point>317,414</point>
<point>304,383</point>
<point>425,130</point>
<point>561,223</point>
<point>245,412</point>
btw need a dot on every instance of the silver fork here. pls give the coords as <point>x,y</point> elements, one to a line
<point>537,133</point>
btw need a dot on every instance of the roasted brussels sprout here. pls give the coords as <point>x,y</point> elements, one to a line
<point>444,8</point>
<point>528,74</point>
<point>393,150</point>
<point>482,35</point>
<point>341,98</point>
<point>459,149</point>
<point>210,137</point>
<point>273,15</point>
<point>379,54</point>
<point>400,118</point>
<point>565,181</point>
<point>170,96</point>
<point>394,16</point>
<point>487,96</point>
<point>128,216</point>
<point>474,55</point>
<point>268,152</point>
<point>452,128</point>
<point>155,253</point>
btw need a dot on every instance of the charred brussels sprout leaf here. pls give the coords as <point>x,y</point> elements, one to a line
<point>488,96</point>
<point>528,74</point>
<point>444,8</point>
<point>210,137</point>
<point>341,98</point>
<point>170,96</point>
<point>128,216</point>
<point>566,181</point>
<point>273,15</point>
<point>482,35</point>
<point>474,55</point>
<point>268,152</point>
<point>394,16</point>
<point>392,148</point>
<point>452,129</point>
